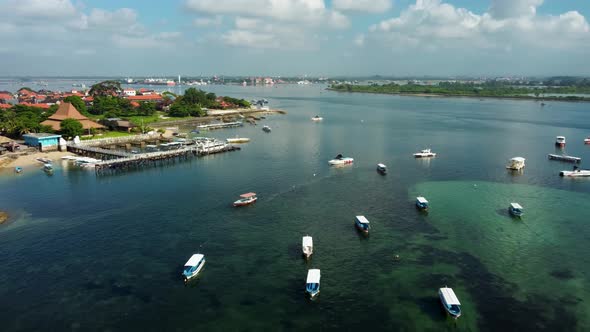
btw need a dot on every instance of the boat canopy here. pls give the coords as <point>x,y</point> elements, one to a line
<point>449,296</point>
<point>248,195</point>
<point>381,166</point>
<point>560,137</point>
<point>362,219</point>
<point>521,159</point>
<point>422,200</point>
<point>313,276</point>
<point>425,151</point>
<point>339,156</point>
<point>194,260</point>
<point>516,206</point>
<point>307,241</point>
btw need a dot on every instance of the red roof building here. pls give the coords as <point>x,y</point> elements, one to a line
<point>68,111</point>
<point>40,105</point>
<point>145,98</point>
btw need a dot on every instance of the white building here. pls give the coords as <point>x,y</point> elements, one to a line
<point>129,92</point>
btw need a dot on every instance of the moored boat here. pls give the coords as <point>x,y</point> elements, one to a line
<point>559,157</point>
<point>307,246</point>
<point>18,169</point>
<point>560,141</point>
<point>238,140</point>
<point>48,168</point>
<point>382,169</point>
<point>247,198</point>
<point>193,266</point>
<point>421,203</point>
<point>340,160</point>
<point>575,173</point>
<point>312,285</point>
<point>43,160</point>
<point>516,209</point>
<point>362,224</point>
<point>317,118</point>
<point>516,163</point>
<point>587,140</point>
<point>450,301</point>
<point>266,129</point>
<point>426,153</point>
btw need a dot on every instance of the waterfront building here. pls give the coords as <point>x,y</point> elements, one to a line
<point>42,141</point>
<point>68,111</point>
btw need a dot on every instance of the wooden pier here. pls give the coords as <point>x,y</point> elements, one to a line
<point>92,151</point>
<point>143,160</point>
<point>220,125</point>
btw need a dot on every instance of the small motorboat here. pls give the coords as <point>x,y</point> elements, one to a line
<point>18,169</point>
<point>587,140</point>
<point>266,129</point>
<point>312,285</point>
<point>307,246</point>
<point>317,118</point>
<point>362,224</point>
<point>450,301</point>
<point>560,141</point>
<point>340,160</point>
<point>426,153</point>
<point>193,266</point>
<point>575,173</point>
<point>48,168</point>
<point>247,198</point>
<point>382,169</point>
<point>516,163</point>
<point>516,209</point>
<point>421,203</point>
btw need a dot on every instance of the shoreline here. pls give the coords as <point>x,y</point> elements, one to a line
<point>28,160</point>
<point>217,116</point>
<point>435,95</point>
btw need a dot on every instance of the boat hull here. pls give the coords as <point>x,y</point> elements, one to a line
<point>190,277</point>
<point>575,174</point>
<point>424,155</point>
<point>361,228</point>
<point>515,213</point>
<point>344,161</point>
<point>243,203</point>
<point>453,313</point>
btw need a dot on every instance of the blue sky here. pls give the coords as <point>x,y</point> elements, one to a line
<point>294,37</point>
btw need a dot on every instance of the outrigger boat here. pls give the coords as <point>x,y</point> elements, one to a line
<point>421,203</point>
<point>312,285</point>
<point>193,266</point>
<point>515,209</point>
<point>317,118</point>
<point>382,169</point>
<point>307,246</point>
<point>450,301</point>
<point>247,198</point>
<point>340,160</point>
<point>426,153</point>
<point>560,141</point>
<point>516,163</point>
<point>362,224</point>
<point>559,157</point>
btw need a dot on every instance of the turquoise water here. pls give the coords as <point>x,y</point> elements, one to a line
<point>105,253</point>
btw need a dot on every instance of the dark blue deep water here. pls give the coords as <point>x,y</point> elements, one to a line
<point>87,253</point>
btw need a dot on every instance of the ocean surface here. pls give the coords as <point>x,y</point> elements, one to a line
<point>88,253</point>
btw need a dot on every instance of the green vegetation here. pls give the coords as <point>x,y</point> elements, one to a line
<point>488,89</point>
<point>193,101</point>
<point>71,128</point>
<point>114,107</point>
<point>20,119</point>
<point>108,134</point>
<point>105,88</point>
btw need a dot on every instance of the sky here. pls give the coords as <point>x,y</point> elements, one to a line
<point>294,37</point>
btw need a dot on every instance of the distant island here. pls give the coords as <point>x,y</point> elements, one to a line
<point>573,91</point>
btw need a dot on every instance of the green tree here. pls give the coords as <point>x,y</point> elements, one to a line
<point>78,103</point>
<point>105,88</point>
<point>71,128</point>
<point>146,108</point>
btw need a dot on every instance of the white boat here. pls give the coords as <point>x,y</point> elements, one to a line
<point>193,266</point>
<point>450,301</point>
<point>340,160</point>
<point>516,209</point>
<point>317,118</point>
<point>238,140</point>
<point>421,203</point>
<point>247,198</point>
<point>362,224</point>
<point>307,246</point>
<point>575,173</point>
<point>382,169</point>
<point>560,157</point>
<point>426,153</point>
<point>312,285</point>
<point>266,129</point>
<point>587,140</point>
<point>560,141</point>
<point>516,163</point>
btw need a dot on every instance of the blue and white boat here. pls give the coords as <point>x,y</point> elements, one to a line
<point>48,168</point>
<point>421,203</point>
<point>312,285</point>
<point>450,301</point>
<point>18,169</point>
<point>362,224</point>
<point>193,266</point>
<point>516,210</point>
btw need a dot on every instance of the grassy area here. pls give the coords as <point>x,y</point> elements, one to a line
<point>108,134</point>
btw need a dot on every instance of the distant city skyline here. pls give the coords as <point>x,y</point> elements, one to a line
<point>294,37</point>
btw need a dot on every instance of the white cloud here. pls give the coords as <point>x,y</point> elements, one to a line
<point>247,23</point>
<point>301,11</point>
<point>359,40</point>
<point>208,21</point>
<point>251,39</point>
<point>39,9</point>
<point>502,9</point>
<point>368,6</point>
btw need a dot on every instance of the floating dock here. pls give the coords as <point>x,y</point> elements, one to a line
<point>220,125</point>
<point>570,159</point>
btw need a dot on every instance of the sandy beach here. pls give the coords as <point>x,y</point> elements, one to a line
<point>29,160</point>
